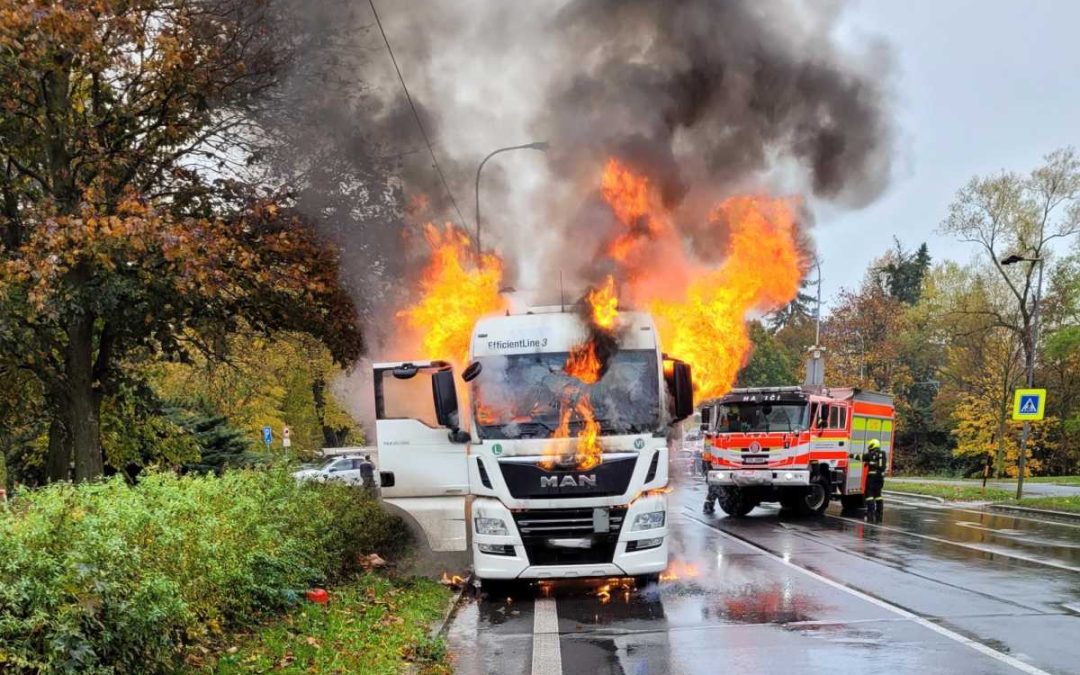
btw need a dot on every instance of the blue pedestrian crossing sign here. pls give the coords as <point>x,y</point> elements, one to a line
<point>268,435</point>
<point>1029,404</point>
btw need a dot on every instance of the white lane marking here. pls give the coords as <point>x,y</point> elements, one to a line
<point>972,547</point>
<point>546,656</point>
<point>926,623</point>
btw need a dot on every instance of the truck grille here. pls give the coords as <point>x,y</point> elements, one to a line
<point>527,480</point>
<point>539,527</point>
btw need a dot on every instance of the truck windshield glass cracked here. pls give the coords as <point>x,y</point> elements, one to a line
<point>521,395</point>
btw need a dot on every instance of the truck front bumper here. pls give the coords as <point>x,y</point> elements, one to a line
<point>756,477</point>
<point>518,566</point>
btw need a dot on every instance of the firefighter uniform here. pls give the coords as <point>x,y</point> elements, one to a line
<point>874,463</point>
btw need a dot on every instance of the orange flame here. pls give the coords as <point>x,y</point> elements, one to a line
<point>605,305</point>
<point>700,311</point>
<point>456,291</point>
<point>761,272</point>
<point>451,580</point>
<point>680,570</point>
<point>583,363</point>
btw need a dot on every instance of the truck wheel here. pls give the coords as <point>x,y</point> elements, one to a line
<point>853,503</point>
<point>500,588</point>
<point>643,580</point>
<point>816,498</point>
<point>735,502</point>
<point>790,498</point>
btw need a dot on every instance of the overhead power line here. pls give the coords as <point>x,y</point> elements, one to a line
<point>416,115</point>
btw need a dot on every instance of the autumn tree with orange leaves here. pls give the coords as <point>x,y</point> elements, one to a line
<point>124,232</point>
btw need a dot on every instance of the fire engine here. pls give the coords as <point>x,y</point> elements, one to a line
<point>499,487</point>
<point>800,446</point>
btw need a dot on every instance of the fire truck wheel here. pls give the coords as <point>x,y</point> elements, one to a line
<point>853,503</point>
<point>816,498</point>
<point>735,502</point>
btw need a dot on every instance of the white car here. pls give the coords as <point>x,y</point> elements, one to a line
<point>345,469</point>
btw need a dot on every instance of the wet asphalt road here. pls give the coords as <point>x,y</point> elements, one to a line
<point>931,590</point>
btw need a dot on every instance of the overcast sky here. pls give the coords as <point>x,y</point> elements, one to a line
<point>980,87</point>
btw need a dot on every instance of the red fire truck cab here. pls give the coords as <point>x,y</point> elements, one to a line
<point>797,446</point>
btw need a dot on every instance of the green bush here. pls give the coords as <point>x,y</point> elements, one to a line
<point>109,578</point>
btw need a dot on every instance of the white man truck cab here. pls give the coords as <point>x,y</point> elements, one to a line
<point>794,445</point>
<point>508,488</point>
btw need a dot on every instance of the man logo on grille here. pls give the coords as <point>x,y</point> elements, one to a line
<point>581,480</point>
<point>755,447</point>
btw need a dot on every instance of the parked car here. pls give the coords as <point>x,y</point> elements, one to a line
<point>344,468</point>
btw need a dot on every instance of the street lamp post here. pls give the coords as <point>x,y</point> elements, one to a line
<point>537,145</point>
<point>1032,338</point>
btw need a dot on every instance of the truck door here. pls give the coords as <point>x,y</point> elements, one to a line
<point>422,451</point>
<point>856,448</point>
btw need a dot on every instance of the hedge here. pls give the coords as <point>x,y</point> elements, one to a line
<point>110,578</point>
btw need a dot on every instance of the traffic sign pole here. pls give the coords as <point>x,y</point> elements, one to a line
<point>1028,405</point>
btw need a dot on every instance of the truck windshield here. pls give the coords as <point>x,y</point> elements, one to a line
<point>744,417</point>
<point>521,395</point>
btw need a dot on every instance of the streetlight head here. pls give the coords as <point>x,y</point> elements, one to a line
<point>539,145</point>
<point>1011,260</point>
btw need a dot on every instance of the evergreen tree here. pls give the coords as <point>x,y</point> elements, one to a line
<point>902,276</point>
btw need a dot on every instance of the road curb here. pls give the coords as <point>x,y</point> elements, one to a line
<point>1063,515</point>
<point>913,495</point>
<point>439,629</point>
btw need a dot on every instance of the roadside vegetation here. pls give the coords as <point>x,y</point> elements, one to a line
<point>371,625</point>
<point>106,577</point>
<point>975,493</point>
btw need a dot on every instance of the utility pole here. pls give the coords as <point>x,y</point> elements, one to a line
<point>537,145</point>
<point>1031,338</point>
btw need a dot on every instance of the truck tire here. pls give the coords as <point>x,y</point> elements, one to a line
<point>643,580</point>
<point>815,499</point>
<point>735,502</point>
<point>853,503</point>
<point>500,588</point>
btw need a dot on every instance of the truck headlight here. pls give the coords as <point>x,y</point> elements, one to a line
<point>648,521</point>
<point>493,526</point>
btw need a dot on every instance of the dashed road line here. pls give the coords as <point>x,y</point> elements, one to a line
<point>926,623</point>
<point>546,654</point>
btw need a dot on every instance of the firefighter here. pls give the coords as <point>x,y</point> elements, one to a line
<point>875,463</point>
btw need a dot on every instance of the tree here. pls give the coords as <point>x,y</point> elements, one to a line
<point>903,272</point>
<point>264,382</point>
<point>118,242</point>
<point>1011,214</point>
<point>801,309</point>
<point>770,364</point>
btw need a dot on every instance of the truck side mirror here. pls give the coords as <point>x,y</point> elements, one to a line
<point>682,390</point>
<point>471,371</point>
<point>706,418</point>
<point>444,392</point>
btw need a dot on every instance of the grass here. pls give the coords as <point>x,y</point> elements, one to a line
<point>952,493</point>
<point>373,625</point>
<point>1053,480</point>
<point>975,493</point>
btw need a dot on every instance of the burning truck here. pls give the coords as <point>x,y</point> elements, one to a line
<point>562,469</point>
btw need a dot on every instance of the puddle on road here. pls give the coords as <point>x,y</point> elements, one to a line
<point>777,603</point>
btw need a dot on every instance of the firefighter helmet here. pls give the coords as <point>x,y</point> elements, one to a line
<point>874,444</point>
